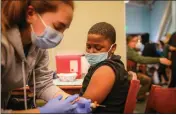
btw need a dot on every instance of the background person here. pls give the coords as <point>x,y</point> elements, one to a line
<point>172,43</point>
<point>133,56</point>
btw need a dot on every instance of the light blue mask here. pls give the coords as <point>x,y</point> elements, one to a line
<point>50,37</point>
<point>94,58</point>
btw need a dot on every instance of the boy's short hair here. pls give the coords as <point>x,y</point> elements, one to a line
<point>105,29</point>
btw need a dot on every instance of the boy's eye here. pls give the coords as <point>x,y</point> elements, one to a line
<point>88,47</point>
<point>98,48</point>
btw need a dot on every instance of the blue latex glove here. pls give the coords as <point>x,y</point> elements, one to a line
<point>83,106</point>
<point>57,105</point>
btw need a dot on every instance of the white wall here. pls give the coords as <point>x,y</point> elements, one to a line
<point>86,14</point>
<point>137,19</point>
<point>141,19</point>
<point>157,13</point>
<point>173,23</point>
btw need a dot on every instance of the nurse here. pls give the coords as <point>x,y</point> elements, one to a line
<point>29,27</point>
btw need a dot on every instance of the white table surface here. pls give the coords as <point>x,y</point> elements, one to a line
<point>76,82</point>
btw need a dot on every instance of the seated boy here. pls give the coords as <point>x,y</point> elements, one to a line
<point>106,81</point>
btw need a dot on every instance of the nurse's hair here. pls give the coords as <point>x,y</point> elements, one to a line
<point>15,10</point>
<point>105,29</point>
<point>3,24</point>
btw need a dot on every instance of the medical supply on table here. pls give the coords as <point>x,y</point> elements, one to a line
<point>76,82</point>
<point>67,77</point>
<point>69,64</point>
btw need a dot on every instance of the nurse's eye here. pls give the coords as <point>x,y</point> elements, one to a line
<point>59,26</point>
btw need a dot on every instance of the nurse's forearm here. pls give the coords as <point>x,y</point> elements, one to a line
<point>64,94</point>
<point>26,111</point>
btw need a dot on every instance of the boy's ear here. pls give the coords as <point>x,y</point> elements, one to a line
<point>113,48</point>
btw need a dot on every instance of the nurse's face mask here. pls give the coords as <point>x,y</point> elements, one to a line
<point>48,39</point>
<point>94,58</point>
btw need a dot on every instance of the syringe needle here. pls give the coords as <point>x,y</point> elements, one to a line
<point>101,106</point>
<point>95,105</point>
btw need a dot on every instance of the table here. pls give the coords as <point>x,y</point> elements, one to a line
<point>69,87</point>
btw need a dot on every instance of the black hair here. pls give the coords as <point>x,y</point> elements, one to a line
<point>105,29</point>
<point>162,43</point>
<point>172,40</point>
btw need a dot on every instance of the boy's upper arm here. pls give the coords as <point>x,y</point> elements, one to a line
<point>3,59</point>
<point>2,56</point>
<point>100,84</point>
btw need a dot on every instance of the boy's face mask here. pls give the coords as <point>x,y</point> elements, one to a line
<point>94,58</point>
<point>49,39</point>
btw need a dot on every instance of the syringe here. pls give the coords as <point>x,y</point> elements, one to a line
<point>95,105</point>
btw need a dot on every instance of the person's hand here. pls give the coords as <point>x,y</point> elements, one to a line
<point>171,48</point>
<point>57,105</point>
<point>83,106</point>
<point>132,75</point>
<point>165,61</point>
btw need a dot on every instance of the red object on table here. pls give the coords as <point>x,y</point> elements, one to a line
<point>69,64</point>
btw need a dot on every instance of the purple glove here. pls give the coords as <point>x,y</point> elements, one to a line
<point>57,105</point>
<point>83,105</point>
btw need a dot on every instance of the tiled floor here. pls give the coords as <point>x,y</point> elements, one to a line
<point>140,107</point>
